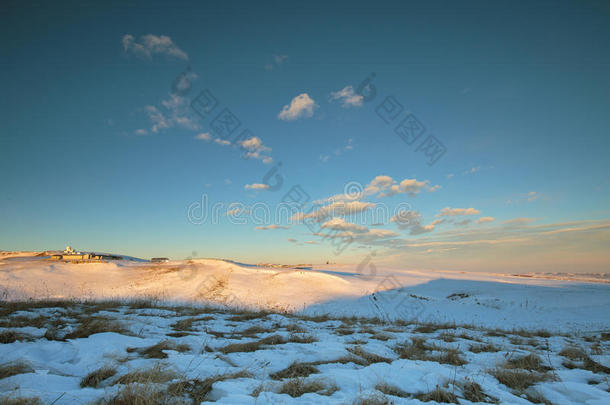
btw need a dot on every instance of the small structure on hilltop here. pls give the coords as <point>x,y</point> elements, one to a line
<point>159,260</point>
<point>71,255</point>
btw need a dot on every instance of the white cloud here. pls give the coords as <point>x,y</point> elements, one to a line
<point>141,131</point>
<point>451,212</point>
<point>518,221</point>
<point>268,227</point>
<point>484,220</point>
<point>204,136</point>
<point>222,142</point>
<point>338,208</point>
<point>302,106</point>
<point>411,220</point>
<point>339,224</point>
<point>254,148</point>
<point>385,186</point>
<point>150,45</point>
<point>256,186</point>
<point>176,113</point>
<point>347,97</point>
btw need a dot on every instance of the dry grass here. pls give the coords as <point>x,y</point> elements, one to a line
<point>248,316</point>
<point>391,390</point>
<point>197,390</point>
<point>91,326</point>
<point>155,375</point>
<point>573,353</point>
<point>438,395</point>
<point>516,379</point>
<point>295,370</point>
<point>20,401</point>
<point>530,362</point>
<point>368,357</point>
<point>136,394</point>
<point>252,346</point>
<point>296,387</point>
<point>157,351</point>
<point>473,392</point>
<point>416,350</point>
<point>485,347</point>
<point>187,324</point>
<point>13,368</point>
<point>94,378</point>
<point>535,397</point>
<point>9,336</point>
<point>451,356</point>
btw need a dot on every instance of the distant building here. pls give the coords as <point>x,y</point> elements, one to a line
<point>159,259</point>
<point>70,255</point>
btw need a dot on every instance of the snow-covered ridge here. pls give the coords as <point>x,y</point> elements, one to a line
<point>465,298</point>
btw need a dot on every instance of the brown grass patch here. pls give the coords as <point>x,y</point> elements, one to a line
<point>296,387</point>
<point>519,380</point>
<point>438,395</point>
<point>391,390</point>
<point>473,392</point>
<point>94,378</point>
<point>187,324</point>
<point>372,399</point>
<point>451,356</point>
<point>368,357</point>
<point>91,326</point>
<point>13,368</point>
<point>252,346</point>
<point>155,374</point>
<point>530,362</point>
<point>198,389</point>
<point>20,401</point>
<point>415,350</point>
<point>295,370</point>
<point>157,351</point>
<point>486,347</point>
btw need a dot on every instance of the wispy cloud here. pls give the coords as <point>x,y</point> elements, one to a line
<point>451,212</point>
<point>204,136</point>
<point>270,227</point>
<point>149,45</point>
<point>256,186</point>
<point>347,96</point>
<point>484,220</point>
<point>386,186</point>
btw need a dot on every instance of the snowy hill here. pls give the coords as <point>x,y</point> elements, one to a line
<point>489,300</point>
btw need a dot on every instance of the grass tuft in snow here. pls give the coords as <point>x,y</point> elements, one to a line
<point>137,394</point>
<point>155,375</point>
<point>91,326</point>
<point>438,395</point>
<point>295,370</point>
<point>485,347</point>
<point>368,357</point>
<point>517,379</point>
<point>197,390</point>
<point>13,368</point>
<point>94,378</point>
<point>391,390</point>
<point>473,392</point>
<point>530,362</point>
<point>415,350</point>
<point>252,346</point>
<point>20,401</point>
<point>157,351</point>
<point>10,336</point>
<point>296,387</point>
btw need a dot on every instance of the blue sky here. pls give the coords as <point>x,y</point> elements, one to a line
<point>99,150</point>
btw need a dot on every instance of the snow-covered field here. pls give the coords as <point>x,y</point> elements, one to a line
<point>352,335</point>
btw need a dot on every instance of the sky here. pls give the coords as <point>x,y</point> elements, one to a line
<point>420,135</point>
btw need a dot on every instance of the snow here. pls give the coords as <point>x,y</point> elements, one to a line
<point>575,312</point>
<point>491,300</point>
